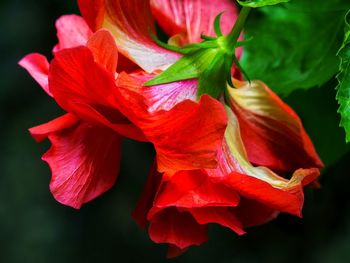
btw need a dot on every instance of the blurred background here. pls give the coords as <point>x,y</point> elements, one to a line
<point>35,228</point>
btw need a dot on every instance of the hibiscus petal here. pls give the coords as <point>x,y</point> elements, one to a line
<point>193,189</point>
<point>72,31</point>
<point>252,213</point>
<point>218,215</point>
<point>289,201</point>
<point>130,23</point>
<point>190,18</point>
<point>104,50</point>
<point>259,183</point>
<point>85,88</point>
<point>186,137</point>
<point>146,200</point>
<point>174,251</point>
<point>177,228</point>
<point>84,161</point>
<point>41,132</point>
<point>271,127</point>
<point>38,67</point>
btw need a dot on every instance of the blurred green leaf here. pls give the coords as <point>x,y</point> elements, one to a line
<point>260,3</point>
<point>343,94</point>
<point>294,45</point>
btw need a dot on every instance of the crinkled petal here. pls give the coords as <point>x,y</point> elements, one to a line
<point>131,24</point>
<point>72,31</point>
<point>272,132</point>
<point>177,228</point>
<point>186,137</point>
<point>188,19</point>
<point>84,161</point>
<point>38,67</point>
<point>85,88</point>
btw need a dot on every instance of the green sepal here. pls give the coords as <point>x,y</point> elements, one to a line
<point>213,80</point>
<point>217,27</point>
<point>343,94</point>
<point>188,67</point>
<point>260,3</point>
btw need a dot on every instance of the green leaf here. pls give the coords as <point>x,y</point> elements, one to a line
<point>343,94</point>
<point>294,45</point>
<point>260,3</point>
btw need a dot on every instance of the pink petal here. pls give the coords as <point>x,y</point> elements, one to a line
<point>84,161</point>
<point>72,31</point>
<point>130,23</point>
<point>191,18</point>
<point>38,67</point>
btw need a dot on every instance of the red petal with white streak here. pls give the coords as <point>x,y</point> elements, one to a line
<point>271,131</point>
<point>130,23</point>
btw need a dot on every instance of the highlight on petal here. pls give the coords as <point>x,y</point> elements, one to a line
<point>72,31</point>
<point>186,137</point>
<point>85,88</point>
<point>38,67</point>
<point>187,20</point>
<point>131,24</point>
<point>177,228</point>
<point>271,127</point>
<point>84,161</point>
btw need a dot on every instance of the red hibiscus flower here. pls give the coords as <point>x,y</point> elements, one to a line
<point>205,171</point>
<point>264,142</point>
<point>85,152</point>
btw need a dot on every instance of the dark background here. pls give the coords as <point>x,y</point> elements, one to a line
<point>35,228</point>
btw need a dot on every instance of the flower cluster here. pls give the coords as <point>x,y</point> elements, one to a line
<point>236,160</point>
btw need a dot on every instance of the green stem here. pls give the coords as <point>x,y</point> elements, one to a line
<point>232,38</point>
